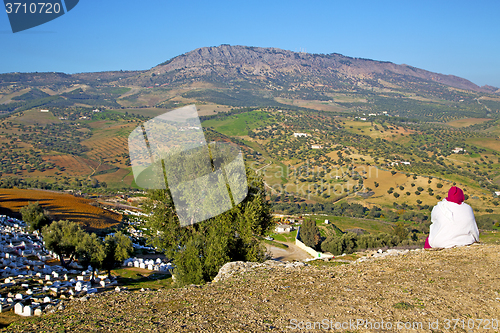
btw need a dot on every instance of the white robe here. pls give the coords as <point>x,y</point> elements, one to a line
<point>452,225</point>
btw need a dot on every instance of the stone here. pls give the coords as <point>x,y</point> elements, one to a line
<point>46,299</point>
<point>38,312</point>
<point>19,296</point>
<point>48,277</point>
<point>103,283</point>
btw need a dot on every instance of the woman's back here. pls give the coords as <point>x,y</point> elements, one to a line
<point>453,224</point>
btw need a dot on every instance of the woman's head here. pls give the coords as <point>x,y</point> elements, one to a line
<point>456,195</point>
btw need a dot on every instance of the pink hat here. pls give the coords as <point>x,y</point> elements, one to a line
<point>456,195</point>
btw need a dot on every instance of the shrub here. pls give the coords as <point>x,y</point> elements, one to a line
<point>340,244</point>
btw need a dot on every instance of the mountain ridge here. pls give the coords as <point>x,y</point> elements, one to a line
<point>258,61</point>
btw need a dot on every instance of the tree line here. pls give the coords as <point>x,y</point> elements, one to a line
<point>349,242</point>
<point>70,242</point>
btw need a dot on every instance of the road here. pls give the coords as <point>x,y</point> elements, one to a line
<point>293,252</point>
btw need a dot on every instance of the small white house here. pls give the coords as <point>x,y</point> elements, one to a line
<point>458,150</point>
<point>327,222</point>
<point>284,228</point>
<point>497,193</point>
<point>44,110</point>
<point>299,135</point>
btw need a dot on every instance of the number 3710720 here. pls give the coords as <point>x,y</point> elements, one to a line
<point>32,8</point>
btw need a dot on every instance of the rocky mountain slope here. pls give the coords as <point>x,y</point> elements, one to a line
<point>227,62</point>
<point>242,76</point>
<point>420,291</point>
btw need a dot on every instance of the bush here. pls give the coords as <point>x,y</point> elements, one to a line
<point>340,244</point>
<point>400,231</point>
<point>370,241</point>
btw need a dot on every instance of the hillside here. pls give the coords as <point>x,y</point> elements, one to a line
<point>427,287</point>
<point>228,62</point>
<point>386,140</point>
<point>242,76</point>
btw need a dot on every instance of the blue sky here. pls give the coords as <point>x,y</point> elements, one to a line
<point>455,37</point>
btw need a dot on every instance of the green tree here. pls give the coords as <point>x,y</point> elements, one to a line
<point>35,216</point>
<point>117,248</point>
<point>336,245</point>
<point>189,266</point>
<point>309,234</point>
<point>230,236</point>
<point>63,238</point>
<point>400,231</point>
<point>90,252</point>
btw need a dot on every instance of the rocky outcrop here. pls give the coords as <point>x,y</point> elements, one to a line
<point>237,267</point>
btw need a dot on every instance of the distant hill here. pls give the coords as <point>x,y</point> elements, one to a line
<point>226,62</point>
<point>243,76</point>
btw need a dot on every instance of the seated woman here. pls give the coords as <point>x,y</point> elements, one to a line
<point>453,222</point>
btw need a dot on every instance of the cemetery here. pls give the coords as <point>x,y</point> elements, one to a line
<point>31,286</point>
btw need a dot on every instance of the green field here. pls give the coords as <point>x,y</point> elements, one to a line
<point>343,223</point>
<point>240,124</point>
